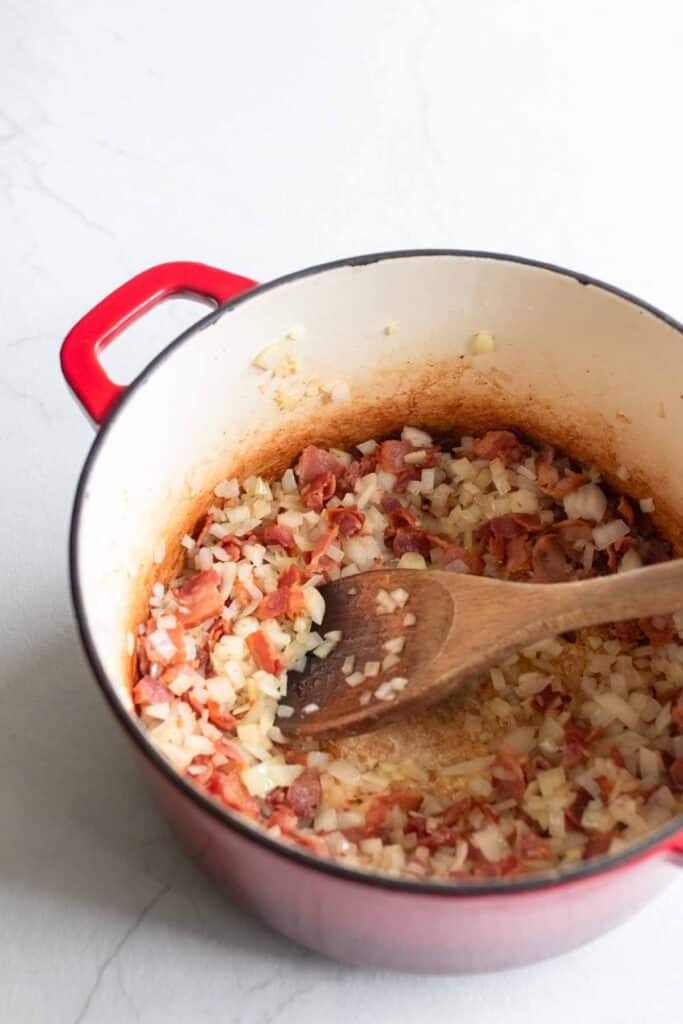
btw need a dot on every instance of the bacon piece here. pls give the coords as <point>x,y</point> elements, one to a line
<point>357,469</point>
<point>198,598</point>
<point>156,647</point>
<point>204,527</point>
<point>628,632</point>
<point>625,511</point>
<point>530,846</point>
<point>314,462</point>
<point>549,561</point>
<point>408,798</point>
<point>274,605</point>
<point>316,844</point>
<point>548,479</point>
<point>290,576</point>
<point>276,533</point>
<point>550,700</point>
<point>506,538</point>
<point>454,814</point>
<point>305,793</point>
<point>677,713</point>
<point>217,718</point>
<point>507,773</point>
<point>285,818</point>
<point>348,521</point>
<point>264,653</point>
<point>659,629</point>
<point>598,844</point>
<point>574,812</point>
<point>605,786</point>
<point>296,757</point>
<point>499,444</point>
<point>567,484</point>
<point>229,788</point>
<point>241,594</point>
<point>451,552</point>
<point>676,774</point>
<point>233,753</point>
<point>392,455</point>
<point>406,540</point>
<point>151,691</point>
<point>618,549</point>
<point>319,490</point>
<point>232,548</point>
<point>319,552</point>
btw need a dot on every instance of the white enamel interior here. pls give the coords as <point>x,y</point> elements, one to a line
<point>574,362</point>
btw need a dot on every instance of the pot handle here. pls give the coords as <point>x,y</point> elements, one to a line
<point>98,328</point>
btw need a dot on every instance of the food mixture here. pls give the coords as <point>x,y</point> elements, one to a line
<point>570,750</point>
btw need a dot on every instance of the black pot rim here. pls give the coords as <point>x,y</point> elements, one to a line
<point>584,870</point>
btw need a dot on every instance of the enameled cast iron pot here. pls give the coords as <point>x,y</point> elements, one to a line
<point>576,363</point>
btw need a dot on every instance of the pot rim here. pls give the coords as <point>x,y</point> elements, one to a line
<point>583,870</point>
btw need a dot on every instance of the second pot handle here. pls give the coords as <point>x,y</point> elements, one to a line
<point>98,328</point>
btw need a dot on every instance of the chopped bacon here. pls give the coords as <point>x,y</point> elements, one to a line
<point>451,552</point>
<point>241,594</point>
<point>676,775</point>
<point>314,462</point>
<point>548,478</point>
<point>318,491</point>
<point>305,793</point>
<point>507,539</point>
<point>151,691</point>
<point>530,846</point>
<point>234,794</point>
<point>567,484</point>
<point>409,540</point>
<point>199,599</point>
<point>454,814</point>
<point>574,812</point>
<point>232,548</point>
<point>392,455</point>
<point>156,647</point>
<point>204,528</point>
<point>319,552</point>
<point>605,786</point>
<point>274,605</point>
<point>191,698</point>
<point>276,533</point>
<point>347,520</point>
<point>203,760</point>
<point>628,632</point>
<point>408,798</point>
<point>357,469</point>
<point>677,713</point>
<point>617,757</point>
<point>264,653</point>
<point>550,563</point>
<point>296,757</point>
<point>316,844</point>
<point>290,576</point>
<point>550,700</point>
<point>499,444</point>
<point>597,844</point>
<point>618,549</point>
<point>507,773</point>
<point>217,718</point>
<point>625,511</point>
<point>659,629</point>
<point>285,818</point>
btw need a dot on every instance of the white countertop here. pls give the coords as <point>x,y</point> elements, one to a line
<point>265,137</point>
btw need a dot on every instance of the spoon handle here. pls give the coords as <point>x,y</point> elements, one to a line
<point>640,593</point>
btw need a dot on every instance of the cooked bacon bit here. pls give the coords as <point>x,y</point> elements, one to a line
<point>304,794</point>
<point>548,479</point>
<point>204,528</point>
<point>507,773</point>
<point>574,813</point>
<point>618,549</point>
<point>232,548</point>
<point>625,511</point>
<point>296,603</point>
<point>450,553</point>
<point>408,798</point>
<point>290,576</point>
<point>221,721</point>
<point>191,698</point>
<point>660,629</point>
<point>234,794</point>
<point>537,763</point>
<point>531,847</point>
<point>274,605</point>
<point>617,757</point>
<point>677,713</point>
<point>605,786</point>
<point>285,818</point>
<point>314,462</point>
<point>454,814</point>
<point>296,757</point>
<point>597,844</point>
<point>316,844</point>
<point>570,482</point>
<point>676,774</point>
<point>549,560</point>
<point>241,594</point>
<point>275,533</point>
<point>348,521</point>
<point>151,691</point>
<point>392,454</point>
<point>357,469</point>
<point>500,444</point>
<point>410,540</point>
<point>264,653</point>
<point>217,630</point>
<point>198,598</point>
<point>628,632</point>
<point>507,539</point>
<point>571,531</point>
<point>318,491</point>
<point>318,559</point>
<point>550,700</point>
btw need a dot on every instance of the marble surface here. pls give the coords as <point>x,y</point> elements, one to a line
<point>265,137</point>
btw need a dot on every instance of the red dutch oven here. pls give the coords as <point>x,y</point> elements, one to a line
<point>577,363</point>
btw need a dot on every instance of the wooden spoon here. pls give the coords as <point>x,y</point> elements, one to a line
<point>463,625</point>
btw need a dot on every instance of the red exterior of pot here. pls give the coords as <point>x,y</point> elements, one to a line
<point>370,925</point>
